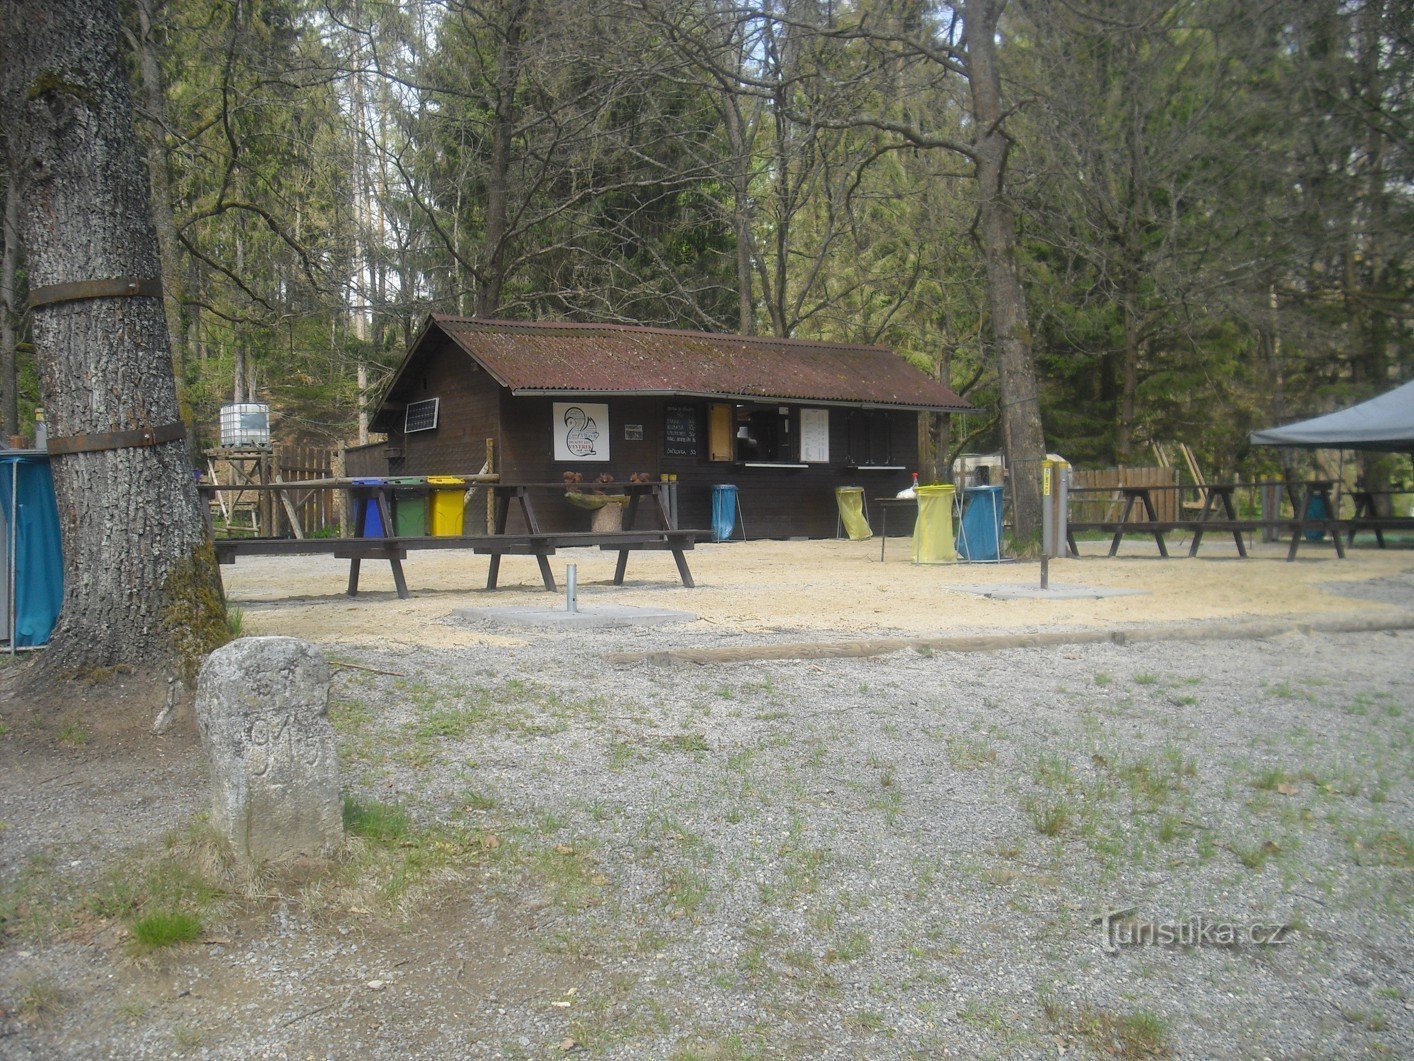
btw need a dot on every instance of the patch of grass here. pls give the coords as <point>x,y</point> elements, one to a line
<point>1138,1034</point>
<point>1102,679</point>
<point>375,821</point>
<point>686,742</point>
<point>39,999</point>
<point>621,754</point>
<point>474,801</point>
<point>1255,856</point>
<point>72,735</point>
<point>452,723</point>
<point>1146,679</point>
<point>235,621</point>
<point>852,947</point>
<point>1271,779</point>
<point>164,929</point>
<point>1052,817</point>
<point>187,1037</point>
<point>1381,847</point>
<point>968,753</point>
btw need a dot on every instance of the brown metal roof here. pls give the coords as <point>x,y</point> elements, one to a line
<point>546,357</point>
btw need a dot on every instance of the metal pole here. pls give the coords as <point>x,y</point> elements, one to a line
<point>571,589</point>
<point>1045,571</point>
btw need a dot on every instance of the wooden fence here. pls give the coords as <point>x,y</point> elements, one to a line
<point>262,512</point>
<point>1107,503</point>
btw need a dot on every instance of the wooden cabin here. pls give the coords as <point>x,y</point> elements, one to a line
<point>787,421</point>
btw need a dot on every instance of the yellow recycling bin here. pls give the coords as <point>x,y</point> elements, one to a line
<point>447,504</point>
<point>850,500</point>
<point>932,531</point>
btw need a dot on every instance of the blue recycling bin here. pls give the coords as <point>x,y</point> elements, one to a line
<point>367,518</point>
<point>1316,509</point>
<point>724,504</point>
<point>979,536</point>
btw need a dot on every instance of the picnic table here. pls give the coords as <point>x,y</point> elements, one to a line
<point>1301,495</point>
<point>1367,516</point>
<point>886,503</point>
<point>535,542</point>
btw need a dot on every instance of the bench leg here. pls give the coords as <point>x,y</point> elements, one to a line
<point>1070,543</point>
<point>493,570</point>
<point>1158,535</point>
<point>398,579</point>
<point>621,567</point>
<point>1295,541</point>
<point>1198,540</point>
<point>545,573</point>
<point>683,572</point>
<point>1123,519</point>
<point>353,576</point>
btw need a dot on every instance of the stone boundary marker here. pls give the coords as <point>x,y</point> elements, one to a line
<point>993,642</point>
<point>262,707</point>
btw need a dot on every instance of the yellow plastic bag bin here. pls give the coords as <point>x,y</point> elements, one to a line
<point>447,505</point>
<point>850,500</point>
<point>932,531</point>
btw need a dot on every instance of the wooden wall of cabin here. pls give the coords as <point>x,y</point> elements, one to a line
<point>775,502</point>
<point>468,413</point>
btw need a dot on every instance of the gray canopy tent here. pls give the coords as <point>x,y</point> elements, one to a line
<point>1383,423</point>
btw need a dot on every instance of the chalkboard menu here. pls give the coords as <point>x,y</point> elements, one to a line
<point>680,431</point>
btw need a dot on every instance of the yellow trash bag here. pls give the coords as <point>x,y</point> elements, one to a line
<point>850,500</point>
<point>932,531</point>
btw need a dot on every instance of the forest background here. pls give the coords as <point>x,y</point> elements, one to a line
<point>1212,198</point>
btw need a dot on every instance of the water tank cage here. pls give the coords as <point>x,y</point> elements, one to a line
<point>245,424</point>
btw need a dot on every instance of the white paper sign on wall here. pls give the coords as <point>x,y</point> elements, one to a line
<point>581,431</point>
<point>815,436</point>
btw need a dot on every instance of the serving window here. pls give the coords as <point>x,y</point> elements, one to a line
<point>763,434</point>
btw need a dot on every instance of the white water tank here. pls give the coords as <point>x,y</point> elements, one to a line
<point>245,424</point>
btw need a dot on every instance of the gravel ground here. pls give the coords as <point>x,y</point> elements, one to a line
<point>901,855</point>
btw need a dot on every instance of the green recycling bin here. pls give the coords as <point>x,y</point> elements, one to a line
<point>409,506</point>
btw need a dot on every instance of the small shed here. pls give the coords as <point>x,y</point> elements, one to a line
<point>786,421</point>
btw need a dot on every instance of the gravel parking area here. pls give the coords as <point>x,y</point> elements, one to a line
<point>887,856</point>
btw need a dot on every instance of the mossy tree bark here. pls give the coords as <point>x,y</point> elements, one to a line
<point>141,585</point>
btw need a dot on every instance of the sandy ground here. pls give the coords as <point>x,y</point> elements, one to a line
<point>811,588</point>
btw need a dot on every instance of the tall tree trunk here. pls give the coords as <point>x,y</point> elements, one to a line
<point>1022,438</point>
<point>9,315</point>
<point>498,176</point>
<point>140,581</point>
<point>150,72</point>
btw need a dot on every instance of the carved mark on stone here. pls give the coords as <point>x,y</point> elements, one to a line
<point>282,745</point>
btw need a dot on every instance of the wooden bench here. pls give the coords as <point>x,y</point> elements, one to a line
<point>540,545</point>
<point>1378,524</point>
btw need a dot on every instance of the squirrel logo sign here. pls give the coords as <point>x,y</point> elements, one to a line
<point>580,432</point>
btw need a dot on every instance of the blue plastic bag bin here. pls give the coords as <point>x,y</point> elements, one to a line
<point>723,511</point>
<point>980,535</point>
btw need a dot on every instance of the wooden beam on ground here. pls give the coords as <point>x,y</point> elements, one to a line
<point>1044,639</point>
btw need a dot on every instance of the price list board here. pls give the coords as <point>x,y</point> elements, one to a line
<point>680,431</point>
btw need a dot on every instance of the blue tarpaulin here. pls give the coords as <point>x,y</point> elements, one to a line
<point>31,536</point>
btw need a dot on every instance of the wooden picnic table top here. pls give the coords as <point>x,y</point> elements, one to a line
<point>348,482</point>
